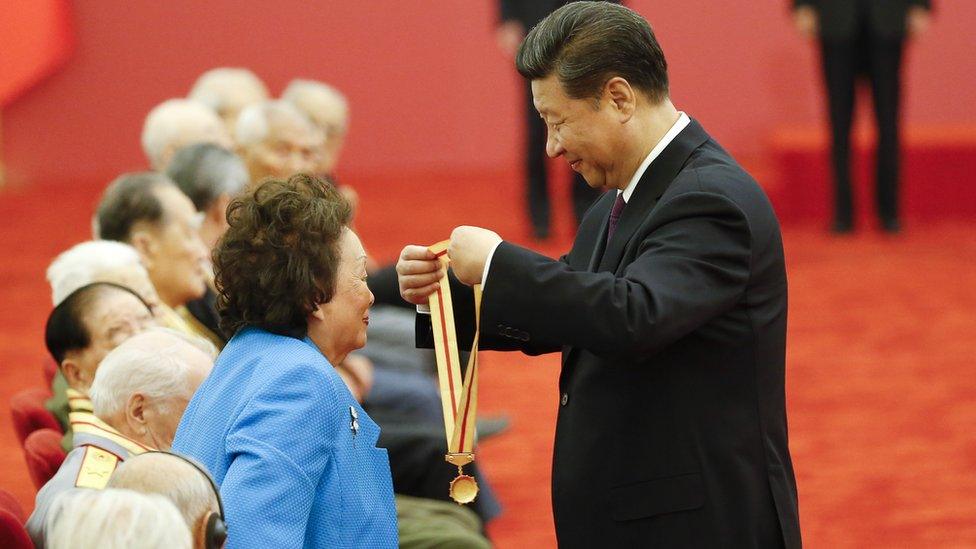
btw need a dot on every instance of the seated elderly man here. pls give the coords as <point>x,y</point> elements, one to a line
<point>184,482</point>
<point>138,396</point>
<point>228,91</point>
<point>276,140</point>
<point>149,212</point>
<point>328,109</point>
<point>80,331</point>
<point>113,519</point>
<point>177,123</point>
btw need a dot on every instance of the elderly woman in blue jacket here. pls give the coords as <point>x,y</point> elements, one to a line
<point>294,454</point>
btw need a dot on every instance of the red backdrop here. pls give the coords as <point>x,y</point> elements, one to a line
<point>429,89</point>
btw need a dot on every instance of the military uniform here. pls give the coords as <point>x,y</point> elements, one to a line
<point>98,449</point>
<point>65,401</point>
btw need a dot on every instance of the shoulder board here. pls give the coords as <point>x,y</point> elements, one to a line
<point>96,467</point>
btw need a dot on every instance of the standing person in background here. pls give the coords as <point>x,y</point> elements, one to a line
<point>863,38</point>
<point>517,17</point>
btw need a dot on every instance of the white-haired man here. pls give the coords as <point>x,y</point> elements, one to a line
<point>228,90</point>
<point>138,396</point>
<point>276,140</point>
<point>184,482</point>
<point>115,518</point>
<point>176,123</point>
<point>328,109</point>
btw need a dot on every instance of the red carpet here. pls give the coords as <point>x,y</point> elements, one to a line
<point>880,370</point>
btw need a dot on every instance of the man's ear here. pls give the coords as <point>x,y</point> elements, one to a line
<point>621,96</point>
<point>74,374</point>
<point>135,413</point>
<point>144,243</point>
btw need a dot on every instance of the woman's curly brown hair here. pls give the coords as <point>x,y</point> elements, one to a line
<point>279,258</point>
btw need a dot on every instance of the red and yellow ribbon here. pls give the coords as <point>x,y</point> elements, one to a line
<point>459,398</point>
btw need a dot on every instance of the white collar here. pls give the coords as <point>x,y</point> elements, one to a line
<point>682,122</point>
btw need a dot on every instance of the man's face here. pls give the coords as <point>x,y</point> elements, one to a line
<point>584,131</point>
<point>291,147</point>
<point>113,317</point>
<point>173,252</point>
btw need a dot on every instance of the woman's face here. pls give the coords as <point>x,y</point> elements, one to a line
<point>343,320</point>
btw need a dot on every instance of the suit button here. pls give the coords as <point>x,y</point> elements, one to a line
<point>564,399</point>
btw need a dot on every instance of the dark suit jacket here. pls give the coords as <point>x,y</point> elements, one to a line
<point>672,419</point>
<point>841,19</point>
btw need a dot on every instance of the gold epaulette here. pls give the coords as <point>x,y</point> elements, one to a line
<point>96,468</point>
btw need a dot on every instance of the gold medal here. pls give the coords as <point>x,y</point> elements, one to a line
<point>463,488</point>
<point>458,397</point>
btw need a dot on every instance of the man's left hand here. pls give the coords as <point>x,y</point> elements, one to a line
<point>469,251</point>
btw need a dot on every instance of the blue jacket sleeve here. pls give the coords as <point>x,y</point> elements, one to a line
<point>279,447</point>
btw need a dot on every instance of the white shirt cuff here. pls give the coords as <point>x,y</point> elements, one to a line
<point>484,275</point>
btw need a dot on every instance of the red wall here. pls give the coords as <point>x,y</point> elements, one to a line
<point>429,89</point>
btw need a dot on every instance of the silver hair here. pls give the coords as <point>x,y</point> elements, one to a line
<point>170,122</point>
<point>170,476</point>
<point>115,519</point>
<point>212,87</point>
<point>317,100</point>
<point>206,171</point>
<point>255,121</point>
<point>83,263</point>
<point>158,372</point>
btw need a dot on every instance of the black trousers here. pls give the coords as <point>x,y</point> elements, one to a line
<point>537,183</point>
<point>879,60</point>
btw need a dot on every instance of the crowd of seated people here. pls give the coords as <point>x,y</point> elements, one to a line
<point>136,328</point>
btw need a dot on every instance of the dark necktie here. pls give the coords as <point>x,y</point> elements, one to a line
<point>618,207</point>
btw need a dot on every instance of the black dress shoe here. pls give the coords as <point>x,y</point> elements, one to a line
<point>842,227</point>
<point>891,226</point>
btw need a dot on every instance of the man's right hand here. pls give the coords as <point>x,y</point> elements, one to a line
<point>418,271</point>
<point>806,21</point>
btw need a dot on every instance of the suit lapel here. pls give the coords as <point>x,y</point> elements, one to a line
<point>653,183</point>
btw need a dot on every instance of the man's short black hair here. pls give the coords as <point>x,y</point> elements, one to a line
<point>587,43</point>
<point>65,330</point>
<point>205,171</point>
<point>129,199</point>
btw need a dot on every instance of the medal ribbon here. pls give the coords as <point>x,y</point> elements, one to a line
<point>459,398</point>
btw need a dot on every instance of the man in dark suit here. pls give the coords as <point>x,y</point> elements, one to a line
<point>863,37</point>
<point>516,18</point>
<point>670,309</point>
